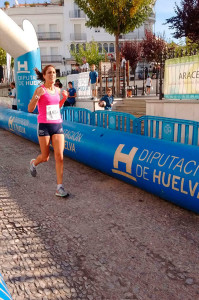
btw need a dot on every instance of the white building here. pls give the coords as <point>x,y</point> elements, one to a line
<point>60,27</point>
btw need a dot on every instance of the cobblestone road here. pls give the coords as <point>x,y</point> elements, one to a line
<point>108,241</point>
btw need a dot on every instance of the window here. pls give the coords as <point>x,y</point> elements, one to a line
<point>43,51</point>
<point>105,46</point>
<point>54,50</point>
<point>100,47</point>
<point>111,48</point>
<point>41,27</point>
<point>77,31</point>
<point>72,47</point>
<point>77,48</point>
<point>53,27</point>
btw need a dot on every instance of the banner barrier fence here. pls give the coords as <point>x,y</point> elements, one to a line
<point>166,169</point>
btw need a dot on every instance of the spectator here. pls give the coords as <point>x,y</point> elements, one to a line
<point>148,85</point>
<point>123,62</point>
<point>13,96</point>
<point>71,95</point>
<point>85,65</point>
<point>76,70</point>
<point>107,100</point>
<point>93,79</point>
<point>58,83</point>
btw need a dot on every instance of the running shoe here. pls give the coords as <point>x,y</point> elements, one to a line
<point>33,170</point>
<point>61,192</point>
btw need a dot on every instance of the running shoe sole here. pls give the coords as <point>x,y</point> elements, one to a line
<point>62,196</point>
<point>33,171</point>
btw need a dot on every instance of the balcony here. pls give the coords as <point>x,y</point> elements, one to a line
<point>77,14</point>
<point>129,36</point>
<point>49,36</point>
<point>51,58</point>
<point>78,36</point>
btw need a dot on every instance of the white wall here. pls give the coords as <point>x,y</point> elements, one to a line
<point>179,109</point>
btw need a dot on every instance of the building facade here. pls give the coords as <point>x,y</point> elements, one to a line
<point>60,26</point>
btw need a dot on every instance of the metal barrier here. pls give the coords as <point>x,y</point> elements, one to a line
<point>113,120</point>
<point>175,130</point>
<point>106,119</point>
<point>75,114</point>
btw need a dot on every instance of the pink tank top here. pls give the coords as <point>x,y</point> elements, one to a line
<point>48,107</point>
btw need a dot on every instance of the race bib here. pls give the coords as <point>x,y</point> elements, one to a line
<point>52,112</point>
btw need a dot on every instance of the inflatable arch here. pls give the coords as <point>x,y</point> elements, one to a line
<point>23,46</point>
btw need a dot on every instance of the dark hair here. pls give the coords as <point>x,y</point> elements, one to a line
<point>43,72</point>
<point>70,82</point>
<point>13,83</point>
<point>58,82</point>
<point>109,89</point>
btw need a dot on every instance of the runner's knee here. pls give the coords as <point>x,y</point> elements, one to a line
<point>59,157</point>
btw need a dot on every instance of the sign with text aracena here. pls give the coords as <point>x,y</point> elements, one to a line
<point>181,80</point>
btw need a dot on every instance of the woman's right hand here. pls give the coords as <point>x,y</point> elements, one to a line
<point>40,92</point>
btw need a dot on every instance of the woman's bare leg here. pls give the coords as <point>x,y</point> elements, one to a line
<point>58,145</point>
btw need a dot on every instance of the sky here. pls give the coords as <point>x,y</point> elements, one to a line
<point>164,9</point>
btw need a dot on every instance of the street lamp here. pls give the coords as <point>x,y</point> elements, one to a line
<point>162,62</point>
<point>64,62</point>
<point>143,93</point>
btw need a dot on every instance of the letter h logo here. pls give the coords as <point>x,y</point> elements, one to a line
<point>23,68</point>
<point>126,159</point>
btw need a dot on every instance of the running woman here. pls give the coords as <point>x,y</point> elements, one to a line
<point>47,97</point>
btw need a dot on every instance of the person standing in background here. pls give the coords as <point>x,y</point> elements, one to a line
<point>148,85</point>
<point>85,65</point>
<point>93,79</point>
<point>13,96</point>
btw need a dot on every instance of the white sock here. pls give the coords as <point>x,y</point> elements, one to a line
<point>33,164</point>
<point>58,186</point>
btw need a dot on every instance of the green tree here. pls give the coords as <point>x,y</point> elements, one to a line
<point>175,50</point>
<point>2,57</point>
<point>90,52</point>
<point>116,17</point>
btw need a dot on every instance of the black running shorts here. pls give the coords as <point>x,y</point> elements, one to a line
<point>48,129</point>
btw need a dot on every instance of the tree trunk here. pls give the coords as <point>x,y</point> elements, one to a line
<point>117,64</point>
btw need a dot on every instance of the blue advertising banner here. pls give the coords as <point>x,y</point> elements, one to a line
<point>167,169</point>
<point>4,293</point>
<point>26,80</point>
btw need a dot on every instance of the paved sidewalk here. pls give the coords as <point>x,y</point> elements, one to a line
<point>108,241</point>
